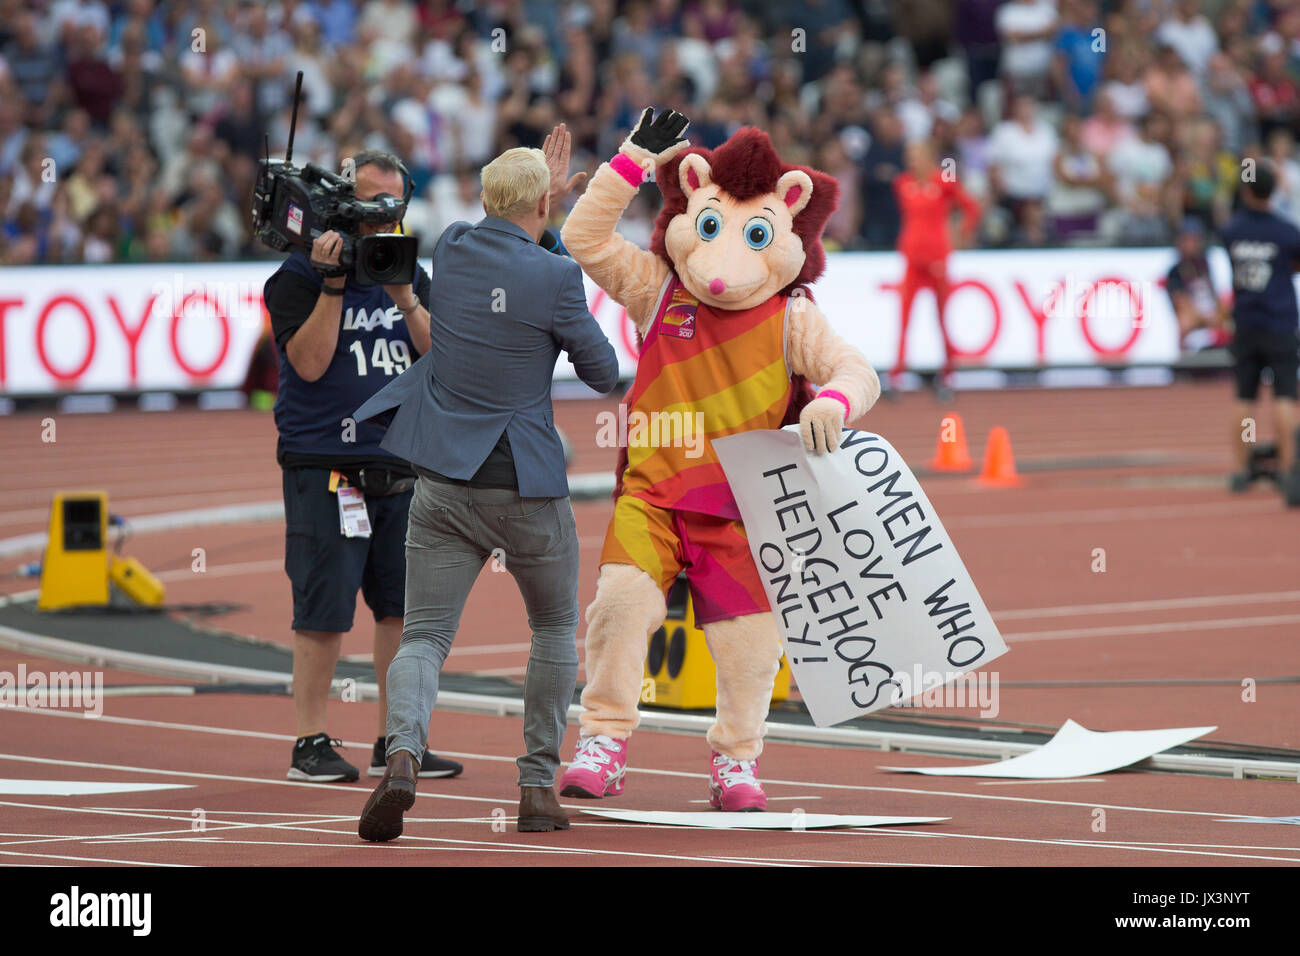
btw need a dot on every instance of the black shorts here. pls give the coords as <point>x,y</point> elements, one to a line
<point>326,569</point>
<point>1255,349</point>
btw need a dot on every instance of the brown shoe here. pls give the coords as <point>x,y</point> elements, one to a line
<point>381,820</point>
<point>539,811</point>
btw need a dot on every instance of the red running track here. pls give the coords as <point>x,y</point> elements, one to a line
<point>1198,584</point>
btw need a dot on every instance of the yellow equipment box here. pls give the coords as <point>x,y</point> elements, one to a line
<point>135,581</point>
<point>679,671</point>
<point>75,569</point>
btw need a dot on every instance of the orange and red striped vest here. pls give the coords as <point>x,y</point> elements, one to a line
<point>703,373</point>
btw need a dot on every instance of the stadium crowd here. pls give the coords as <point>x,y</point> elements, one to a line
<point>130,131</point>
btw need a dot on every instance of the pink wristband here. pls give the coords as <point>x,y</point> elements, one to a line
<point>838,396</point>
<point>627,167</point>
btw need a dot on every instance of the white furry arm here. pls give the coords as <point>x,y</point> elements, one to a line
<point>849,385</point>
<point>631,275</point>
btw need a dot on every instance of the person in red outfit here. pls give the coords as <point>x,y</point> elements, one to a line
<point>927,196</point>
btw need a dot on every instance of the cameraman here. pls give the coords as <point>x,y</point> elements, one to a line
<point>339,342</point>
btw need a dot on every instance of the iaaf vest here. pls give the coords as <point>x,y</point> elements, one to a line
<point>374,345</point>
<point>703,373</point>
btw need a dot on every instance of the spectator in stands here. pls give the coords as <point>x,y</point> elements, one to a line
<point>103,235</point>
<point>94,85</point>
<point>179,71</point>
<point>1189,32</point>
<point>975,29</point>
<point>1125,87</point>
<point>971,150</point>
<point>13,134</point>
<point>1206,174</point>
<point>922,107</point>
<point>881,164</point>
<point>1142,167</point>
<point>1079,55</point>
<point>241,126</point>
<point>34,179</point>
<point>1081,186</point>
<point>926,25</point>
<point>842,228</point>
<point>1276,96</point>
<point>1021,153</point>
<point>1171,87</point>
<point>1027,29</point>
<point>1229,103</point>
<point>1106,128</point>
<point>1286,196</point>
<point>36,68</point>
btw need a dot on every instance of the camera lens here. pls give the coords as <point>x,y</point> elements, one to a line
<point>385,259</point>
<point>381,260</point>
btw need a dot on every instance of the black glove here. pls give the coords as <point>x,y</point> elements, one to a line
<point>659,133</point>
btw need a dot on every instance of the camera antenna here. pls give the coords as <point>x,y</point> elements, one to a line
<point>293,121</point>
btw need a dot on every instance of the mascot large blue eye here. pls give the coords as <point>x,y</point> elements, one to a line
<point>758,233</point>
<point>708,225</point>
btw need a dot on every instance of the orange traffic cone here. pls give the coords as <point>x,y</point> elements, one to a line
<point>951,454</point>
<point>999,464</point>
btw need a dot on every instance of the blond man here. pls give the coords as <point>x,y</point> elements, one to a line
<point>474,417</point>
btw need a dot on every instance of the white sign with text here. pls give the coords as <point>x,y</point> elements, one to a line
<point>863,579</point>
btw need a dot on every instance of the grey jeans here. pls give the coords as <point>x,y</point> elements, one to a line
<point>452,532</point>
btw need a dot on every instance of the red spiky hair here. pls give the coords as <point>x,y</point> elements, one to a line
<point>745,166</point>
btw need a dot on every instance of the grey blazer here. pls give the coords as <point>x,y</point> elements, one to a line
<point>501,310</point>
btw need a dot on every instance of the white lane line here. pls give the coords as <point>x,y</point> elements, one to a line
<point>476,846</point>
<point>943,834</point>
<point>1209,846</point>
<point>1016,783</point>
<point>1217,624</point>
<point>1162,604</point>
<point>232,778</point>
<point>492,757</point>
<point>233,813</point>
<point>1092,844</point>
<point>220,571</point>
<point>211,833</point>
<point>88,859</point>
<point>1093,515</point>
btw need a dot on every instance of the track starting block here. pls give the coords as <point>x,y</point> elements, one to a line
<point>77,570</point>
<point>679,670</point>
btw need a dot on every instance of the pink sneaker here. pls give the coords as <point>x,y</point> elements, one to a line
<point>734,786</point>
<point>598,768</point>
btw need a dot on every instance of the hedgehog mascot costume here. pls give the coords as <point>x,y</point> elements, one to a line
<point>731,338</point>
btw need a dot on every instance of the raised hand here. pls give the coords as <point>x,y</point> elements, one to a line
<point>557,148</point>
<point>657,134</point>
<point>656,139</point>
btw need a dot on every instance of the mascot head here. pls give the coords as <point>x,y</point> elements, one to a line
<point>740,226</point>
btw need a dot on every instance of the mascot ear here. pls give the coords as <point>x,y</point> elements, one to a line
<point>694,173</point>
<point>795,189</point>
